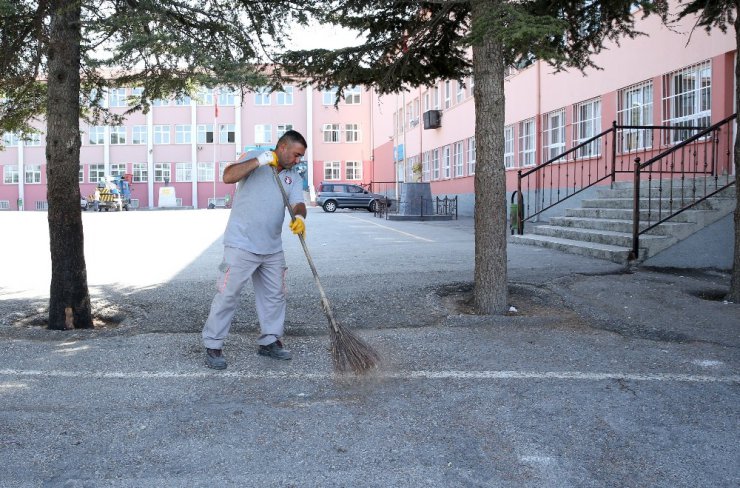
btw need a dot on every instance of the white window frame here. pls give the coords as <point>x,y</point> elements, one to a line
<point>687,100</point>
<point>140,172</point>
<point>183,134</point>
<point>162,172</point>
<point>117,98</point>
<point>328,97</point>
<point>227,133</point>
<point>457,160</point>
<point>161,134</point>
<point>353,95</point>
<point>117,135</point>
<point>281,129</point>
<point>435,164</point>
<point>139,134</point>
<point>446,162</point>
<point>471,155</point>
<point>10,174</point>
<point>263,134</point>
<point>332,170</point>
<point>204,133</point>
<point>206,171</point>
<point>635,107</point>
<point>284,97</point>
<point>183,101</point>
<point>183,172</point>
<point>509,146</point>
<point>11,139</point>
<point>352,132</point>
<point>425,165</point>
<point>117,169</point>
<point>448,93</point>
<point>95,172</point>
<point>96,135</point>
<point>587,124</point>
<point>32,174</point>
<point>553,134</point>
<point>262,97</point>
<point>353,170</point>
<point>332,133</point>
<point>205,96</point>
<point>527,145</point>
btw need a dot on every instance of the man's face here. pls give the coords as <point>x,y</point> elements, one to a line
<point>289,154</point>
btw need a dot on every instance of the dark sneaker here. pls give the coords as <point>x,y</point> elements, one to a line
<point>275,350</point>
<point>214,359</point>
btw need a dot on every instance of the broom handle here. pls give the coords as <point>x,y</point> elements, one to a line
<point>324,300</point>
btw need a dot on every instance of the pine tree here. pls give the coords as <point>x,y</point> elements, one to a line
<point>55,53</point>
<point>413,43</point>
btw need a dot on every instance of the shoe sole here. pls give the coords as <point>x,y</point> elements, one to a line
<point>215,366</point>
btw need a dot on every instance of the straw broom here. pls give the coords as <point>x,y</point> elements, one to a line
<point>348,352</point>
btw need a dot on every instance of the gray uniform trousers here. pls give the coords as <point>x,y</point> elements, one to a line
<point>268,273</point>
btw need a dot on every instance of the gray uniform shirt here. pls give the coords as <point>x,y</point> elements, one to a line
<point>258,212</point>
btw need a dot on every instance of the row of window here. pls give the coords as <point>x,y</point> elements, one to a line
<point>687,97</point>
<point>333,170</point>
<point>441,96</point>
<point>140,172</point>
<point>120,97</point>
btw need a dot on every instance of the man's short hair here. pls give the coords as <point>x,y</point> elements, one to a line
<point>292,136</point>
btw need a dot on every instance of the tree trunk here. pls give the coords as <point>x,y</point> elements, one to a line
<point>491,294</point>
<point>734,294</point>
<point>69,300</point>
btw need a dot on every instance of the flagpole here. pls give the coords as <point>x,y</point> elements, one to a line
<point>216,136</point>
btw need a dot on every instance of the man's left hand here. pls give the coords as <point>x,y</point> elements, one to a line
<point>298,226</point>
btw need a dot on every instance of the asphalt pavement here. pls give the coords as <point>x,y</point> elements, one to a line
<point>600,376</point>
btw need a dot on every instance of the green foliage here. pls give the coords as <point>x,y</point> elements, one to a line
<point>710,13</point>
<point>413,43</point>
<point>168,48</point>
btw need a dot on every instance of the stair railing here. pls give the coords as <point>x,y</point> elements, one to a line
<point>687,174</point>
<point>601,157</point>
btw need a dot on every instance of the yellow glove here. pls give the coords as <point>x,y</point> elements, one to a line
<point>298,226</point>
<point>268,157</point>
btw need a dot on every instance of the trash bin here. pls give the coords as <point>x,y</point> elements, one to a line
<point>514,214</point>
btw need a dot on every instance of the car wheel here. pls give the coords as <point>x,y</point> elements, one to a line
<point>373,207</point>
<point>330,206</point>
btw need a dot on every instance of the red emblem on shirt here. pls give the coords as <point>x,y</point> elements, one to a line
<point>288,180</point>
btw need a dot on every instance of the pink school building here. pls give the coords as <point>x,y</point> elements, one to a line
<point>424,134</point>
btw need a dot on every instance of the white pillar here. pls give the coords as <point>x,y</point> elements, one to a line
<point>150,157</point>
<point>194,155</point>
<point>309,139</point>
<point>21,175</point>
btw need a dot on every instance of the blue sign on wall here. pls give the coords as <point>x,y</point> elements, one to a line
<point>398,153</point>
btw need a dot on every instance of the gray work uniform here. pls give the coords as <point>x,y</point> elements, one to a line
<point>253,249</point>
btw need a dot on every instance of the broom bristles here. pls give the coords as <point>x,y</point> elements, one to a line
<point>350,353</point>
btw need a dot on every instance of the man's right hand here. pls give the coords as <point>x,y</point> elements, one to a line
<point>268,157</point>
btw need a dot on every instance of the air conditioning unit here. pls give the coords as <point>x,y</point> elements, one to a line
<point>432,119</point>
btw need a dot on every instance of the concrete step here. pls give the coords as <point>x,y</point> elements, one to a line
<point>619,239</point>
<point>618,225</point>
<point>675,192</point>
<point>626,214</point>
<point>617,254</point>
<point>645,203</point>
<point>688,180</point>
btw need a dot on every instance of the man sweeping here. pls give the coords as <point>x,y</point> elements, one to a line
<point>253,247</point>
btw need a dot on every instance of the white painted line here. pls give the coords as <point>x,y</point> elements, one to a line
<point>391,228</point>
<point>432,375</point>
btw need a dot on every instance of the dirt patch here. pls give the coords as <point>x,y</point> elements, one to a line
<point>104,315</point>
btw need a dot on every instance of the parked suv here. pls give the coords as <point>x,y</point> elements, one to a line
<point>332,196</point>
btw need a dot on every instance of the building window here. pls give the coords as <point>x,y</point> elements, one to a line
<point>331,132</point>
<point>352,132</point>
<point>282,129</point>
<point>96,135</point>
<point>328,97</point>
<point>448,93</point>
<point>353,170</point>
<point>10,139</point>
<point>285,97</point>
<point>117,169</point>
<point>508,146</point>
<point>205,133</point>
<point>226,98</point>
<point>32,139</point>
<point>553,134</point>
<point>587,124</point>
<point>262,96</point>
<point>183,172</point>
<point>33,174</point>
<point>227,133</point>
<point>262,134</point>
<point>182,101</point>
<point>139,134</point>
<point>526,142</point>
<point>435,164</point>
<point>460,94</point>
<point>162,172</point>
<point>687,100</point>
<point>205,172</point>
<point>183,134</point>
<point>446,162</point>
<point>635,105</point>
<point>160,102</point>
<point>117,135</point>
<point>435,97</point>
<point>221,168</point>
<point>427,100</point>
<point>10,174</point>
<point>117,97</point>
<point>140,172</point>
<point>352,95</point>
<point>457,159</point>
<point>471,155</point>
<point>95,173</point>
<point>425,166</point>
<point>161,134</point>
<point>332,170</point>
<point>80,174</point>
<point>205,97</point>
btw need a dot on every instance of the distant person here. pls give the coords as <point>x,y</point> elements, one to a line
<point>96,200</point>
<point>253,247</point>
